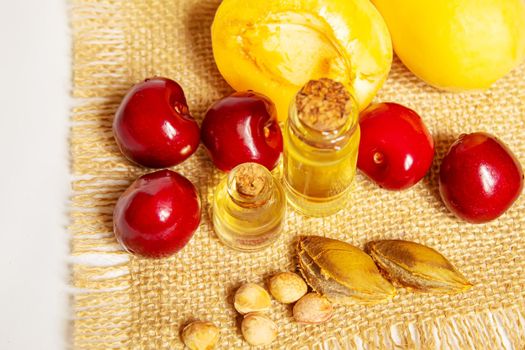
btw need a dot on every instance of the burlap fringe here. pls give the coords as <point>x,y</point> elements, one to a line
<point>496,329</point>
<point>101,305</point>
<point>102,319</point>
<point>100,300</point>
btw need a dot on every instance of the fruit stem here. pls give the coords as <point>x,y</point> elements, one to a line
<point>378,158</point>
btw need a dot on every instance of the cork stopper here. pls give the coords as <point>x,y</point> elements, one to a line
<point>323,105</point>
<point>250,179</point>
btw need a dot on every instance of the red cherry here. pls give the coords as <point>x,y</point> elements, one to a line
<point>242,128</point>
<point>396,149</point>
<point>153,126</point>
<point>157,215</point>
<point>479,178</point>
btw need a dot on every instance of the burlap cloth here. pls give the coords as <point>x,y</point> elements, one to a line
<point>122,301</point>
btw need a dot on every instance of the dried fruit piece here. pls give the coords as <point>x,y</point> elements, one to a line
<point>313,308</point>
<point>200,335</point>
<point>341,272</point>
<point>251,297</point>
<point>417,266</point>
<point>287,287</point>
<point>258,329</point>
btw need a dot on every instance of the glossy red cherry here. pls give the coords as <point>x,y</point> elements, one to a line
<point>153,126</point>
<point>242,128</point>
<point>396,150</point>
<point>157,215</point>
<point>479,178</point>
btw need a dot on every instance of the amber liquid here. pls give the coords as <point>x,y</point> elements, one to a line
<point>248,226</point>
<point>319,168</point>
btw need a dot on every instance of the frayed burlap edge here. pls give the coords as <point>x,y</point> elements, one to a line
<point>104,309</point>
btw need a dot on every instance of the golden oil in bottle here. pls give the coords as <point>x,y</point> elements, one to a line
<point>248,208</point>
<point>321,142</point>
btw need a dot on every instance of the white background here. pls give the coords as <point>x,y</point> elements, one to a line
<point>34,180</point>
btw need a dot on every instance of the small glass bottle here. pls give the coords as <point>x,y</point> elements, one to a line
<point>321,142</point>
<point>248,208</point>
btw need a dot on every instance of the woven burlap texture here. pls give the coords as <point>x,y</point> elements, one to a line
<point>120,301</point>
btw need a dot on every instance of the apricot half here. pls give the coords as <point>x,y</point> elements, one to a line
<point>457,44</point>
<point>275,46</point>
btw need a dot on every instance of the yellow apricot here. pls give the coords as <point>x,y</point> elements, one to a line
<point>276,46</point>
<point>457,44</point>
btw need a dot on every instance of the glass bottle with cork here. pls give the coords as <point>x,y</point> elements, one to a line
<point>248,208</point>
<point>321,142</point>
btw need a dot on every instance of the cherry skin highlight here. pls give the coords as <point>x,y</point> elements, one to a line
<point>479,178</point>
<point>242,128</point>
<point>396,150</point>
<point>157,215</point>
<point>153,126</point>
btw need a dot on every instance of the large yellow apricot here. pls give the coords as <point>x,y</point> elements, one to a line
<point>275,46</point>
<point>457,44</point>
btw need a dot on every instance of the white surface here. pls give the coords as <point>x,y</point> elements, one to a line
<point>34,181</point>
